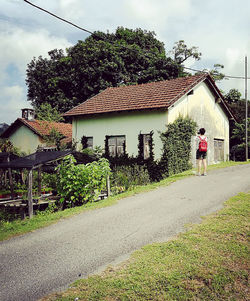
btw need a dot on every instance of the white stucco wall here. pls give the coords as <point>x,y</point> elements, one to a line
<point>25,140</point>
<point>128,124</point>
<point>202,108</point>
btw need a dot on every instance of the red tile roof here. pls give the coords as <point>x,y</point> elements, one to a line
<point>42,128</point>
<point>153,95</point>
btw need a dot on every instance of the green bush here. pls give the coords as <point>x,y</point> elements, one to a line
<point>177,146</point>
<point>49,181</point>
<point>79,184</point>
<point>126,177</point>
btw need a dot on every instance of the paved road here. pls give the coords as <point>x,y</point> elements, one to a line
<point>49,259</point>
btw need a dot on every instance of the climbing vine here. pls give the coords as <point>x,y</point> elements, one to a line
<point>140,148</point>
<point>177,146</point>
<point>84,142</point>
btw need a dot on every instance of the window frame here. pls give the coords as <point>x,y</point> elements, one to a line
<point>116,148</point>
<point>90,142</point>
<point>146,145</point>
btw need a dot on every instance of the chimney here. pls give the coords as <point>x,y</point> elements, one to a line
<point>28,114</point>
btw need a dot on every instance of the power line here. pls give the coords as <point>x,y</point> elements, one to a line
<point>225,77</point>
<point>64,20</point>
<point>92,33</point>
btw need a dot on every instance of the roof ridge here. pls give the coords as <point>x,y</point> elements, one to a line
<point>152,95</point>
<point>199,78</point>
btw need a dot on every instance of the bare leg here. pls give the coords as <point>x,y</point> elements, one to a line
<point>205,166</point>
<point>199,166</point>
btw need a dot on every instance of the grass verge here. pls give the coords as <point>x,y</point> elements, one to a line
<point>19,227</point>
<point>208,262</point>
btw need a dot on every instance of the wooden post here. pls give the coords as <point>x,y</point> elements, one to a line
<point>30,201</point>
<point>39,182</point>
<point>11,184</point>
<point>108,185</point>
<point>10,179</point>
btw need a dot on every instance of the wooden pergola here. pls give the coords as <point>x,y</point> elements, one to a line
<point>43,160</point>
<point>35,161</point>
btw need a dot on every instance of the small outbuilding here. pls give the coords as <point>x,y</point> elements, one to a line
<point>28,133</point>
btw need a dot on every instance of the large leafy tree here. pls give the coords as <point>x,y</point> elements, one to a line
<point>238,129</point>
<point>102,60</point>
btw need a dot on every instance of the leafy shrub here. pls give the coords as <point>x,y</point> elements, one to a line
<point>52,207</point>
<point>79,184</point>
<point>6,215</point>
<point>177,146</point>
<point>126,177</point>
<point>95,152</point>
<point>49,180</point>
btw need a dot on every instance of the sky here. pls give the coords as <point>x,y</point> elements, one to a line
<point>219,28</point>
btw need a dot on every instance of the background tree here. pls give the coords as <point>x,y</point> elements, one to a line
<point>102,60</point>
<point>238,129</point>
<point>54,139</point>
<point>238,150</point>
<point>181,52</point>
<point>237,104</point>
<point>215,73</point>
<point>46,112</point>
<point>233,96</point>
<point>48,80</point>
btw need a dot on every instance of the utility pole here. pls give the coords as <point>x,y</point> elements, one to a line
<point>246,107</point>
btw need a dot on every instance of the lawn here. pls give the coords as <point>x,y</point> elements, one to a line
<point>208,262</point>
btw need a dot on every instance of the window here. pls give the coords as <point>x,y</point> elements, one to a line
<point>146,147</point>
<point>218,150</point>
<point>89,142</point>
<point>116,145</point>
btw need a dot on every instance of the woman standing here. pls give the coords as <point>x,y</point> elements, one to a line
<point>201,153</point>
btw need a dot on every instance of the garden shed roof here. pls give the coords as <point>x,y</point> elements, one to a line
<point>35,160</point>
<point>45,159</point>
<point>5,155</point>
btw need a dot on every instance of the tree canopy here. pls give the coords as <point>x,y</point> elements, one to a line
<point>46,112</point>
<point>233,96</point>
<point>102,60</point>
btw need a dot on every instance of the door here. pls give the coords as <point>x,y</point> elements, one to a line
<point>218,150</point>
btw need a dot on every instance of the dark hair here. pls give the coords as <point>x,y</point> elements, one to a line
<point>202,131</point>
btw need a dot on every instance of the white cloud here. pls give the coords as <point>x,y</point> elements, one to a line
<point>19,46</point>
<point>12,101</point>
<point>17,49</point>
<point>158,15</point>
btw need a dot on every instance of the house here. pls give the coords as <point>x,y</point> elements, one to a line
<point>120,114</point>
<point>28,134</point>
